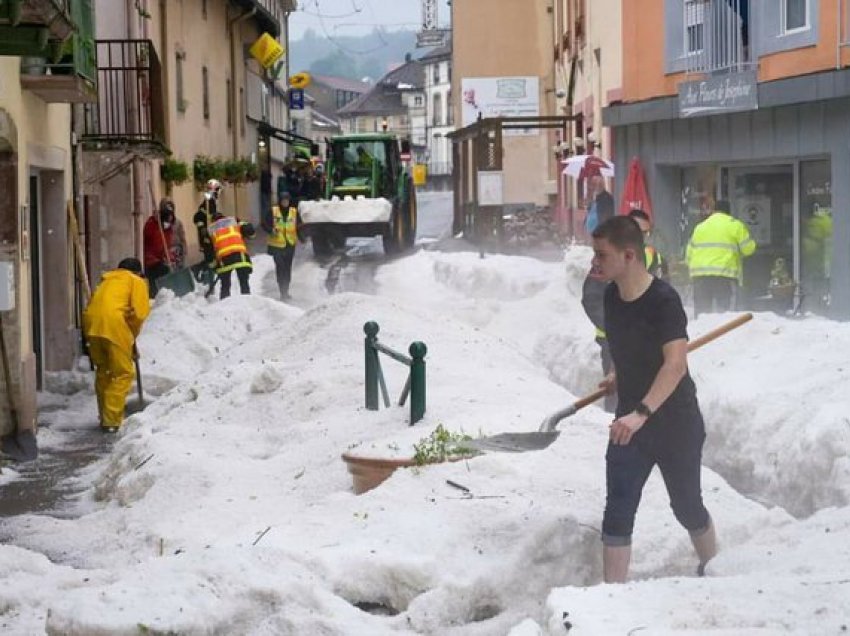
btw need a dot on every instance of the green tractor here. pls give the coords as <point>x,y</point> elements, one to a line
<point>369,192</point>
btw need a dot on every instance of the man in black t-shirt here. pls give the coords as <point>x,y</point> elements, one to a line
<point>658,420</point>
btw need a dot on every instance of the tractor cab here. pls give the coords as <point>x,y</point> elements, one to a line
<point>361,165</point>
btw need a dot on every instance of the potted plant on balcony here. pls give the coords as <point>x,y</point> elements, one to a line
<point>205,168</point>
<point>237,172</point>
<point>174,172</point>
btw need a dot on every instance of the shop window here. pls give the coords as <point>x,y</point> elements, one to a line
<point>815,234</point>
<point>795,15</point>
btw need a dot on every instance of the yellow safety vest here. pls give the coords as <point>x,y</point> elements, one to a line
<point>718,246</point>
<point>284,230</point>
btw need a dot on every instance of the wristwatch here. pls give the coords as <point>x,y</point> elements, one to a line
<point>643,409</point>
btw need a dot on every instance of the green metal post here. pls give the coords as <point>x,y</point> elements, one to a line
<point>371,329</point>
<point>417,381</point>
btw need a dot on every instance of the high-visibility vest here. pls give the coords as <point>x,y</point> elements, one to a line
<point>718,246</point>
<point>227,238</point>
<point>284,230</point>
<point>653,260</point>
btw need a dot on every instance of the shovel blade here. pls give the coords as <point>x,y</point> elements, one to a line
<point>514,442</point>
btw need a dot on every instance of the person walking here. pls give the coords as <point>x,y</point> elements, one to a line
<point>231,253</point>
<point>111,323</point>
<point>715,256</point>
<point>283,237</point>
<point>601,207</point>
<point>658,419</point>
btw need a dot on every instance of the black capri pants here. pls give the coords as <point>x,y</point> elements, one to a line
<point>676,447</point>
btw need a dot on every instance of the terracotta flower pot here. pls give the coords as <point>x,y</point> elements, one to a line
<point>369,472</point>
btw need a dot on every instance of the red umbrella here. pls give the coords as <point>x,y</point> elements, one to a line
<point>635,194</point>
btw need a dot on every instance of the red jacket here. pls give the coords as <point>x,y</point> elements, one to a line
<point>155,250</point>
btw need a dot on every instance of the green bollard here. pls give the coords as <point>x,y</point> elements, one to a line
<point>371,329</point>
<point>417,381</point>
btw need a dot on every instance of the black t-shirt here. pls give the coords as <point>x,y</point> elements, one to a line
<point>637,331</point>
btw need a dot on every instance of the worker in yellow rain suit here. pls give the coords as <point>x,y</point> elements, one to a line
<point>111,324</point>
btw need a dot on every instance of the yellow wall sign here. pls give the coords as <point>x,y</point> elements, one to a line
<point>266,50</point>
<point>420,174</point>
<point>300,80</point>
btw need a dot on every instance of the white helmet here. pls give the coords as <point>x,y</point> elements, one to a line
<point>214,187</point>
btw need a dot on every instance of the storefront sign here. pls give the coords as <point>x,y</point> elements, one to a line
<point>722,94</point>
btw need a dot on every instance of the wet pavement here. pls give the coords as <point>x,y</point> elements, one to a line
<point>47,485</point>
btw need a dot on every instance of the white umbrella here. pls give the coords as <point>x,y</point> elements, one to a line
<point>575,164</point>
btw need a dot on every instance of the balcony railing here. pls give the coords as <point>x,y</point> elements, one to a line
<point>716,35</point>
<point>130,105</point>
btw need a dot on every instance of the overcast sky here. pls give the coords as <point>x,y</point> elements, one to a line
<point>356,17</point>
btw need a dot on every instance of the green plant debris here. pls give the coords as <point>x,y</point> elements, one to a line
<point>440,446</point>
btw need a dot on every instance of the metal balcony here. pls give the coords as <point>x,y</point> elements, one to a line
<point>717,36</point>
<point>129,109</point>
<point>65,71</point>
<point>26,26</point>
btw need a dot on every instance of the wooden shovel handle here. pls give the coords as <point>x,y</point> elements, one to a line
<point>693,345</point>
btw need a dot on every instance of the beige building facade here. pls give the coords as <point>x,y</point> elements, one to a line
<point>588,58</point>
<point>87,132</point>
<point>508,41</point>
<point>37,318</point>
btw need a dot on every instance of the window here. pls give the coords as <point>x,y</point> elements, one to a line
<point>205,78</point>
<point>417,101</point>
<point>436,73</point>
<point>450,116</point>
<point>178,76</point>
<point>795,15</point>
<point>694,26</point>
<point>438,110</point>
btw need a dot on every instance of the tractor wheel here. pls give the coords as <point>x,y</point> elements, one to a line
<point>321,245</point>
<point>412,213</point>
<point>394,234</point>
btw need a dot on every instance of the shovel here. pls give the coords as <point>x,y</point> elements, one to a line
<point>141,405</point>
<point>538,440</point>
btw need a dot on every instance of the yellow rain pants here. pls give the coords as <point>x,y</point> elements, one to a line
<point>113,379</point>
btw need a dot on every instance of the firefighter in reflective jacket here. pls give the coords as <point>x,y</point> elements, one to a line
<point>715,256</point>
<point>231,253</point>
<point>283,237</point>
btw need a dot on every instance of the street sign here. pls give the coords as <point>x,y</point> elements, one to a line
<point>266,50</point>
<point>300,80</point>
<point>296,99</point>
<point>432,38</point>
<point>405,156</point>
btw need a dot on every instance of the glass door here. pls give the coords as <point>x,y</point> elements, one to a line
<point>815,234</point>
<point>763,198</point>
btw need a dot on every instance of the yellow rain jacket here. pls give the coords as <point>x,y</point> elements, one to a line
<point>718,246</point>
<point>117,309</point>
